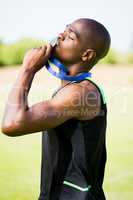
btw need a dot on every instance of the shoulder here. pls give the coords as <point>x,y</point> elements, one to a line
<point>83,97</point>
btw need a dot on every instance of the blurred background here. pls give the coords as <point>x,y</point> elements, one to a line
<point>26,24</point>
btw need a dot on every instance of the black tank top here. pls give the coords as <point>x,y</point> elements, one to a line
<point>74,157</point>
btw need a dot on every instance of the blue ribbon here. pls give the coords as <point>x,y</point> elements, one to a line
<point>62,74</point>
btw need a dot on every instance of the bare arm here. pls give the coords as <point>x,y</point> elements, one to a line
<point>17,103</point>
<point>20,119</point>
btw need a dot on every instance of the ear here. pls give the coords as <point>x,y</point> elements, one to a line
<point>88,55</point>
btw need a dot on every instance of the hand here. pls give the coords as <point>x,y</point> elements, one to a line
<point>36,58</point>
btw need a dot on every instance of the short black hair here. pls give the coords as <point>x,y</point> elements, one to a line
<point>98,37</point>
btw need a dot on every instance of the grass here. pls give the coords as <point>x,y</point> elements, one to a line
<point>20,157</point>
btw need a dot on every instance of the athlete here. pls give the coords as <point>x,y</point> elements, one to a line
<point>73,121</point>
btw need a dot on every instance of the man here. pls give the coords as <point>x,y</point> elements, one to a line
<point>73,121</point>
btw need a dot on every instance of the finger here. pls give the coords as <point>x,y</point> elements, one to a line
<point>43,49</point>
<point>48,50</point>
<point>36,48</point>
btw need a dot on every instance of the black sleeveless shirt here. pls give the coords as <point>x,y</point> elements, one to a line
<point>74,157</point>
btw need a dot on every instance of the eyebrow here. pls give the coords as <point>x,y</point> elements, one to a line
<point>72,29</point>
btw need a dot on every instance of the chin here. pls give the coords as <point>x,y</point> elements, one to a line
<point>57,53</point>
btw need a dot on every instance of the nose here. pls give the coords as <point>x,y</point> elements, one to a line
<point>61,36</point>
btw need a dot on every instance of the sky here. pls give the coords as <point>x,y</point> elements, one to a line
<point>43,19</point>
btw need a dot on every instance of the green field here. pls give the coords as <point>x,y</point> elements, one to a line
<point>20,157</point>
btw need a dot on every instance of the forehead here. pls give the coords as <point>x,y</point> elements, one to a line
<point>77,27</point>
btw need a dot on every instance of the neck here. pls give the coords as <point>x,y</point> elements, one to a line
<point>74,70</point>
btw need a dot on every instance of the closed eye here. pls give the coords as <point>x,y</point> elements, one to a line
<point>71,38</point>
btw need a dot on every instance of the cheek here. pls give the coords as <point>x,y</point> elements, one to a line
<point>69,53</point>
